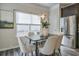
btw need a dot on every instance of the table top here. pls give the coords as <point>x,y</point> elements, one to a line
<point>35,37</point>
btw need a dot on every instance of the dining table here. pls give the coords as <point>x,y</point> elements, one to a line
<point>36,39</point>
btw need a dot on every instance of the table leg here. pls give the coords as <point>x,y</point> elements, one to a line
<point>36,49</point>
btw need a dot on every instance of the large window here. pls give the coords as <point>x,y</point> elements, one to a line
<point>27,22</point>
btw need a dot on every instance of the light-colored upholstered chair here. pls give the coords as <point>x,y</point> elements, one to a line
<point>49,47</point>
<point>30,33</point>
<point>25,47</point>
<point>57,48</point>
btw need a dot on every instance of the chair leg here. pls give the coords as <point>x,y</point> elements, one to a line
<point>21,53</point>
<point>59,51</point>
<point>25,54</point>
<point>32,53</point>
<point>53,53</point>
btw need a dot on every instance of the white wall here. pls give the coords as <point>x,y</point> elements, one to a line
<point>54,17</point>
<point>8,38</point>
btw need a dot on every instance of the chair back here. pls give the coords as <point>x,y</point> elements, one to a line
<point>59,41</point>
<point>23,43</point>
<point>30,33</point>
<point>49,46</point>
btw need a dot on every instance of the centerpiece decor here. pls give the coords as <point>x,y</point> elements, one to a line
<point>44,25</point>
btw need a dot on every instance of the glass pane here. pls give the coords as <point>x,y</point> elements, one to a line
<point>23,18</point>
<point>25,23</point>
<point>35,19</point>
<point>35,28</point>
<point>22,28</point>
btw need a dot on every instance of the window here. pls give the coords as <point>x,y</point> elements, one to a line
<point>27,23</point>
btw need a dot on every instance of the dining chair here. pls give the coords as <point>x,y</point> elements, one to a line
<point>38,33</point>
<point>30,33</point>
<point>49,46</point>
<point>25,47</point>
<point>42,42</point>
<point>58,45</point>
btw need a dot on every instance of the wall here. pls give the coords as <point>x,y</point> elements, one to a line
<point>8,38</point>
<point>54,17</point>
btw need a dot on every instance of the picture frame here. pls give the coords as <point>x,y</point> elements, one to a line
<point>6,19</point>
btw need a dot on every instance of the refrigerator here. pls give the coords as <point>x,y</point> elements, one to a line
<point>68,26</point>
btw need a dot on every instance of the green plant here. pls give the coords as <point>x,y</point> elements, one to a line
<point>45,24</point>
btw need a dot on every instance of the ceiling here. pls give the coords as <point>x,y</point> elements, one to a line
<point>48,5</point>
<point>66,4</point>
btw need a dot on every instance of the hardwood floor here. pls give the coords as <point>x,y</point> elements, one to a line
<point>65,51</point>
<point>12,52</point>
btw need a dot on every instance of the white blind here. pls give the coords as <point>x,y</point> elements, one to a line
<point>27,22</point>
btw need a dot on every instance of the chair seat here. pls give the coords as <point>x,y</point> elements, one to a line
<point>31,48</point>
<point>45,52</point>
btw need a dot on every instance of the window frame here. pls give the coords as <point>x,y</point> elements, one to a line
<point>30,25</point>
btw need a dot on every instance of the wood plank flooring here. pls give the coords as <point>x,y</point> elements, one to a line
<point>65,51</point>
<point>11,52</point>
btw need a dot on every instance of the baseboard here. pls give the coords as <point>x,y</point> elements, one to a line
<point>9,48</point>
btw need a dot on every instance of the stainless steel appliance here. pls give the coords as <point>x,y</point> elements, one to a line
<point>68,26</point>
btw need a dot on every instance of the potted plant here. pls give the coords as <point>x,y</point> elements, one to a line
<point>44,24</point>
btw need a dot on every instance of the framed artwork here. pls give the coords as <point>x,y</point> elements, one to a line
<point>6,19</point>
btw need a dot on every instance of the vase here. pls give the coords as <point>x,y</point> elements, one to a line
<point>45,32</point>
